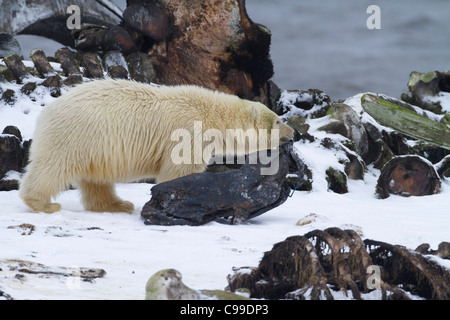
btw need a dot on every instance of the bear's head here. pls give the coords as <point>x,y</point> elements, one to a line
<point>269,123</point>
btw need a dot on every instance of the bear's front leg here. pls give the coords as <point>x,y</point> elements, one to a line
<point>101,197</point>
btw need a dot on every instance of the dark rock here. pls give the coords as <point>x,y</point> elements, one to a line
<point>443,250</point>
<point>13,130</point>
<point>54,84</point>
<point>407,176</point>
<point>41,63</point>
<point>8,45</point>
<point>443,167</point>
<point>15,64</point>
<point>73,79</point>
<point>118,38</point>
<point>149,19</point>
<point>6,74</point>
<point>311,103</point>
<point>117,72</point>
<point>114,58</point>
<point>4,295</point>
<point>304,137</point>
<point>115,64</point>
<point>90,37</point>
<point>239,194</point>
<point>67,60</point>
<point>92,66</point>
<point>9,96</point>
<point>432,153</point>
<point>140,67</point>
<point>337,180</point>
<point>382,145</point>
<point>12,154</point>
<point>28,88</point>
<point>378,151</point>
<point>354,168</point>
<point>274,94</point>
<point>8,185</point>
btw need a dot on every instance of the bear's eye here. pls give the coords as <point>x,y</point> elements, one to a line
<point>277,122</point>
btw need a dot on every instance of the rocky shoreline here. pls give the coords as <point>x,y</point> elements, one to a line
<point>409,148</point>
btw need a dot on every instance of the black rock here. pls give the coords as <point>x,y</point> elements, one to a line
<point>239,194</point>
<point>311,103</point>
<point>9,44</point>
<point>13,130</point>
<point>11,154</point>
<point>140,67</point>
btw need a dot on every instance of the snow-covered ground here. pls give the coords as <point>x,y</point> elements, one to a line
<point>130,252</point>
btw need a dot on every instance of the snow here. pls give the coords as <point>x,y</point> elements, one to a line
<point>130,251</point>
<point>443,98</point>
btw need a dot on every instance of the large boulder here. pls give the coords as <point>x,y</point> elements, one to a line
<point>239,194</point>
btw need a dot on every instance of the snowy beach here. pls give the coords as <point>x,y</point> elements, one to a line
<point>325,46</point>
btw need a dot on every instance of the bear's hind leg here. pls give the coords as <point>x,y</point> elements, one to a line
<point>101,197</point>
<point>36,191</point>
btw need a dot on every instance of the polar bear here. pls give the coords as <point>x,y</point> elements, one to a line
<point>108,131</point>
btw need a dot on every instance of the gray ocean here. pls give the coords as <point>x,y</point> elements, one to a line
<point>325,44</point>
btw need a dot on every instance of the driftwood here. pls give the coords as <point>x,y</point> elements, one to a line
<point>30,267</point>
<point>406,121</point>
<point>408,176</point>
<point>322,262</point>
